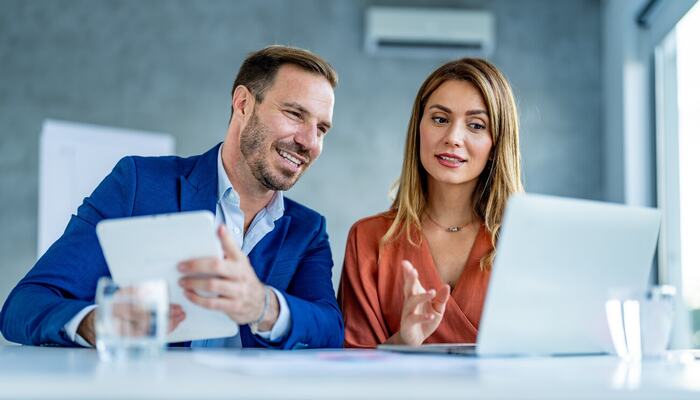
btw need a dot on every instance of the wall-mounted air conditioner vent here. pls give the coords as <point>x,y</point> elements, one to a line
<point>429,32</point>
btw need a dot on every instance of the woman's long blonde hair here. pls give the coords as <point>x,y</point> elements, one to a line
<point>501,175</point>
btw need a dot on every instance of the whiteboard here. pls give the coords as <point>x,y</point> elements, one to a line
<point>73,160</point>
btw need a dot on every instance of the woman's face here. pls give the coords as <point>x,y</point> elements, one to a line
<point>455,136</point>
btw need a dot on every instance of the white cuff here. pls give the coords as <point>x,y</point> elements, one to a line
<point>71,328</point>
<point>283,323</point>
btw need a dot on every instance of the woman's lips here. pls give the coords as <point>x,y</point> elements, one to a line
<point>450,160</point>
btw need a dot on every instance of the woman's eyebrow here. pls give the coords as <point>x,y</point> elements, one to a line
<point>441,108</point>
<point>468,113</point>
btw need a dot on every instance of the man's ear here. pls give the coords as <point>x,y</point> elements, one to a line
<point>242,100</point>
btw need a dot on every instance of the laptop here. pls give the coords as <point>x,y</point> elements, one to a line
<point>556,261</point>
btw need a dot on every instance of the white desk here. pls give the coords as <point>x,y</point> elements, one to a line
<point>32,372</point>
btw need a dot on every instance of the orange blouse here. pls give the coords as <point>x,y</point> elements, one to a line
<point>371,285</point>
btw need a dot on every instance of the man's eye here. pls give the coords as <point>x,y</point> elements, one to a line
<point>293,114</point>
<point>440,120</point>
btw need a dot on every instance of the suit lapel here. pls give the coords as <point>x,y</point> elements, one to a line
<point>199,189</point>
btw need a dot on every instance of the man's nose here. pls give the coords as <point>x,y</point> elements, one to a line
<point>307,136</point>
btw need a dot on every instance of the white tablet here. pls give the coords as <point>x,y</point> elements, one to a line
<point>150,247</point>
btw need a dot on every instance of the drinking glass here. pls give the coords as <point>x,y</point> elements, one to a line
<point>132,319</point>
<point>640,321</point>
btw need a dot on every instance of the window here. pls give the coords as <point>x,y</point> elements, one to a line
<point>688,65</point>
<point>677,60</point>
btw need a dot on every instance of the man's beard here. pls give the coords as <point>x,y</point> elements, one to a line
<point>254,149</point>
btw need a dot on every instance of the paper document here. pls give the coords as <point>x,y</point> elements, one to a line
<point>150,247</point>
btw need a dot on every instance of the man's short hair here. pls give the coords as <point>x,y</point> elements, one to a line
<point>259,69</point>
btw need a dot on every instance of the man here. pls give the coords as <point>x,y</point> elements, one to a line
<point>277,285</point>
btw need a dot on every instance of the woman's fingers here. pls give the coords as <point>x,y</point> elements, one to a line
<point>440,301</point>
<point>411,284</point>
<point>422,310</point>
<point>412,303</point>
<point>416,319</point>
<point>409,275</point>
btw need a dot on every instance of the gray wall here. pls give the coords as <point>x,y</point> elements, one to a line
<point>168,65</point>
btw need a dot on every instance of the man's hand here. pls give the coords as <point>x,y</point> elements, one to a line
<point>236,288</point>
<point>86,329</point>
<point>422,310</point>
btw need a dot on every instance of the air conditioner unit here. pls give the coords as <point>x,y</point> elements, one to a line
<point>429,32</point>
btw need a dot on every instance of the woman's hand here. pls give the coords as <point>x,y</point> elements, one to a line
<point>422,310</point>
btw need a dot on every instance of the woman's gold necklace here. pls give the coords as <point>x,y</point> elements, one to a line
<point>450,229</point>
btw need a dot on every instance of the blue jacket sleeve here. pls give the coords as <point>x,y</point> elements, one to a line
<point>63,280</point>
<point>316,321</point>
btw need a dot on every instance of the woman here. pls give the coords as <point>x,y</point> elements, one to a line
<point>418,273</point>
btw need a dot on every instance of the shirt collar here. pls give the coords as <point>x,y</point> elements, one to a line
<point>275,207</point>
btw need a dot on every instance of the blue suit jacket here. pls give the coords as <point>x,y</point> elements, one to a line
<point>295,257</point>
